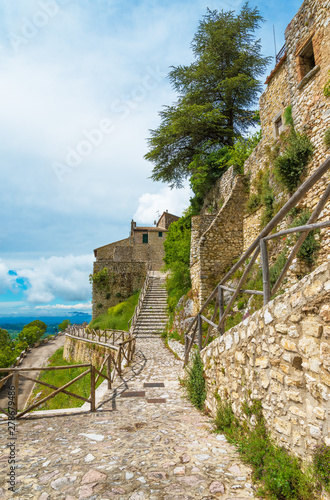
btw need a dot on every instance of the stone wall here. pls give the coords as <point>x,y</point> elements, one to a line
<point>286,85</point>
<point>108,251</point>
<point>213,250</point>
<point>124,278</point>
<point>281,356</point>
<point>219,194</point>
<point>81,351</point>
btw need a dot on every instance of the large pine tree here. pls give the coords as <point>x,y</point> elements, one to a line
<point>217,93</point>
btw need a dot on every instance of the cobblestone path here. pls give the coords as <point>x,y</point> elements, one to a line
<point>151,444</point>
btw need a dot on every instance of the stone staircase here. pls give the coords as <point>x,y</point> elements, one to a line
<point>153,316</point>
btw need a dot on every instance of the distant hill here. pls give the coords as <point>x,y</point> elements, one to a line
<point>14,325</point>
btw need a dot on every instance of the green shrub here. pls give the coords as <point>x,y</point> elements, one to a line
<point>177,260</point>
<point>233,320</point>
<point>194,381</point>
<point>253,203</point>
<point>100,278</point>
<point>279,472</point>
<point>327,138</point>
<point>287,116</point>
<point>321,464</point>
<point>326,88</point>
<point>310,248</point>
<point>290,166</point>
<point>267,196</point>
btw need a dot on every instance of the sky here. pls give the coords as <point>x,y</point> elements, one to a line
<point>81,84</point>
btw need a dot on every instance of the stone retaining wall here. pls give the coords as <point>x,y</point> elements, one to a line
<point>82,351</point>
<point>281,356</point>
<point>213,251</point>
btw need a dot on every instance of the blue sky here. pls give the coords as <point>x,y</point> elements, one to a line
<point>81,84</point>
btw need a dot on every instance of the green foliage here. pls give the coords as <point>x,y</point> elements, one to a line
<point>310,248</point>
<point>32,332</point>
<point>64,325</point>
<point>278,471</point>
<point>216,94</point>
<point>100,278</point>
<point>253,203</point>
<point>117,316</point>
<point>177,260</point>
<point>267,199</point>
<point>327,138</point>
<point>233,320</point>
<point>207,168</point>
<point>321,464</point>
<point>59,378</point>
<point>11,349</point>
<point>263,195</point>
<point>326,88</point>
<point>276,269</point>
<point>194,381</point>
<point>287,116</point>
<point>242,149</point>
<point>290,166</point>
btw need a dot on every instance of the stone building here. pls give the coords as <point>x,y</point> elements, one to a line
<point>127,262</point>
<point>298,80</point>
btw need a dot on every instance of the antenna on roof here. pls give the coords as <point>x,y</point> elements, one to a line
<point>274,41</point>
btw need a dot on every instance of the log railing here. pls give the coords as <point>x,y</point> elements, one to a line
<point>105,336</point>
<point>133,320</point>
<point>119,356</point>
<point>194,333</point>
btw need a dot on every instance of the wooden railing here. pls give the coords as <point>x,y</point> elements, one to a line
<point>118,356</point>
<point>104,336</point>
<point>133,320</point>
<point>258,246</point>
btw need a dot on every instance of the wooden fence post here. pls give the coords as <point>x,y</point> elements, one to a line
<point>221,307</point>
<point>265,270</point>
<point>200,333</point>
<point>16,385</point>
<point>119,360</point>
<point>109,371</point>
<point>93,388</point>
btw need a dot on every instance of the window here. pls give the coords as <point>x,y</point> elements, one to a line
<point>145,238</point>
<point>160,234</point>
<point>278,126</point>
<point>306,60</point>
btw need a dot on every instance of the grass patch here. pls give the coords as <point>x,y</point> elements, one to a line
<point>59,378</point>
<point>117,316</point>
<point>279,473</point>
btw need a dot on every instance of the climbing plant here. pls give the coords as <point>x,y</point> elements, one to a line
<point>290,165</point>
<point>100,278</point>
<point>326,88</point>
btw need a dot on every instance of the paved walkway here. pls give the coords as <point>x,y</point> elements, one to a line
<point>150,444</point>
<point>37,356</point>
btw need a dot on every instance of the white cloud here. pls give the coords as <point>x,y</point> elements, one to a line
<point>151,206</point>
<point>82,307</point>
<point>65,278</point>
<point>7,281</point>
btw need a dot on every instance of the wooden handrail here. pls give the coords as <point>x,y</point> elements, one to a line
<point>124,350</point>
<point>260,245</point>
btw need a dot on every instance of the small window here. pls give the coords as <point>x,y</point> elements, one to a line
<point>160,234</point>
<point>278,126</point>
<point>145,238</point>
<point>306,59</point>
